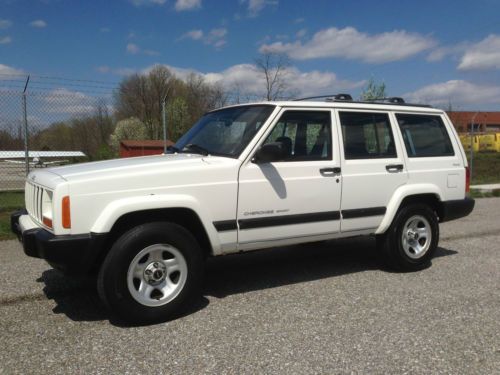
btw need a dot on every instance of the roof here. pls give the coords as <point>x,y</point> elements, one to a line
<point>465,117</point>
<point>347,104</point>
<point>145,143</point>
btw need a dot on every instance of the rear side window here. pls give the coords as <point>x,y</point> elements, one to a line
<point>367,135</point>
<point>424,135</point>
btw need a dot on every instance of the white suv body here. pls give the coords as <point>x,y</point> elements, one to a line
<point>348,169</point>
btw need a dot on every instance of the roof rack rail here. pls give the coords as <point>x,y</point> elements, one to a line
<point>393,100</point>
<point>331,97</point>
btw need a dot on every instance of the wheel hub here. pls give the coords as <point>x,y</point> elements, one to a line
<point>155,273</point>
<point>412,235</point>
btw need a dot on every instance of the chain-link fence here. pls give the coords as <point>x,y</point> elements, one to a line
<point>45,129</point>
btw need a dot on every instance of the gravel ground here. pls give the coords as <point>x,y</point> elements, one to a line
<point>325,308</point>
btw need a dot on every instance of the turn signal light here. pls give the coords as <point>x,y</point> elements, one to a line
<point>47,222</point>
<point>66,213</point>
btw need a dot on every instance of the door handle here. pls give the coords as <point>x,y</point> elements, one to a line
<point>330,172</point>
<point>394,168</point>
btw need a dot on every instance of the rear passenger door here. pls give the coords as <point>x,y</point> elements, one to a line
<point>372,167</point>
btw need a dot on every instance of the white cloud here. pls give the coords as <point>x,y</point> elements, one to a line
<point>5,24</point>
<point>441,52</point>
<point>457,92</point>
<point>6,71</point>
<point>215,37</point>
<point>482,55</point>
<point>64,101</point>
<point>301,33</point>
<point>139,3</point>
<point>181,5</point>
<point>151,52</point>
<point>248,79</point>
<point>5,40</point>
<point>103,69</point>
<point>133,48</point>
<point>40,24</point>
<point>193,34</point>
<point>254,7</point>
<point>349,43</point>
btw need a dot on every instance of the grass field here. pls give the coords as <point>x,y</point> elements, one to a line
<point>9,202</point>
<point>486,169</point>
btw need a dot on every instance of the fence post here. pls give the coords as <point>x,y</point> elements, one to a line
<point>25,118</point>
<point>164,120</point>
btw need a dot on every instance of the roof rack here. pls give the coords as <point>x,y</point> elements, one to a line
<point>331,97</point>
<point>393,100</point>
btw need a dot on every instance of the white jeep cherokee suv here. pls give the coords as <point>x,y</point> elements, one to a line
<point>249,177</point>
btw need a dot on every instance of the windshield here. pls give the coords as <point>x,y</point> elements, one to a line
<point>225,132</point>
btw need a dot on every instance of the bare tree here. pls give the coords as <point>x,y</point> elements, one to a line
<point>141,96</point>
<point>373,90</point>
<point>273,66</point>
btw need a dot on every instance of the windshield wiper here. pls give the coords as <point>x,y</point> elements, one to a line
<point>196,148</point>
<point>173,149</point>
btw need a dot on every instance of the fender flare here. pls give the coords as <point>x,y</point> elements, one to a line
<point>116,209</point>
<point>397,198</point>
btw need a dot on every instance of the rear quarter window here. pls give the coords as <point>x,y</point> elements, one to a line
<point>424,135</point>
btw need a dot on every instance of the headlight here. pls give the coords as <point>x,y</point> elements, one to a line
<point>47,208</point>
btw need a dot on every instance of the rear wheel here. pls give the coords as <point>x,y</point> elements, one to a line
<point>152,273</point>
<point>411,241</point>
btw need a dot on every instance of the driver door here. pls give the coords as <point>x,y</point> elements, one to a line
<point>298,196</point>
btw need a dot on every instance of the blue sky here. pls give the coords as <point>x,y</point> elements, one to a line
<point>428,51</point>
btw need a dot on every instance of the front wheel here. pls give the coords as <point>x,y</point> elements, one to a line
<point>152,273</point>
<point>411,241</point>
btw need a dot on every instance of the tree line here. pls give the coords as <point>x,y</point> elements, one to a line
<point>138,104</point>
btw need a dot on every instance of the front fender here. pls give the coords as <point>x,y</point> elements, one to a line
<point>399,195</point>
<point>116,209</point>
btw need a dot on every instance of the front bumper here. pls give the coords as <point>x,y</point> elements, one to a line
<point>451,210</point>
<point>72,254</point>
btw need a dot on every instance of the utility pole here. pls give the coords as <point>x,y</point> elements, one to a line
<point>164,121</point>
<point>25,120</point>
<point>472,142</point>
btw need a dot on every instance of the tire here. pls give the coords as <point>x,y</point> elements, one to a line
<point>411,241</point>
<point>152,273</point>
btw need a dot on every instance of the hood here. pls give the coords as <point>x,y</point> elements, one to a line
<point>117,167</point>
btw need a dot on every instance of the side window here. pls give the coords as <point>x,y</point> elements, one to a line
<point>367,135</point>
<point>424,135</point>
<point>307,135</point>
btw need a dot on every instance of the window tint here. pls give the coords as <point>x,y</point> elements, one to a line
<point>306,135</point>
<point>367,135</point>
<point>424,135</point>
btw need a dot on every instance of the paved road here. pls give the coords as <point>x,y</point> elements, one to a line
<point>305,309</point>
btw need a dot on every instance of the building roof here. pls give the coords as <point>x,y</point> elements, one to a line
<point>144,143</point>
<point>460,117</point>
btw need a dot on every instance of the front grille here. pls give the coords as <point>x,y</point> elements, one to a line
<point>33,197</point>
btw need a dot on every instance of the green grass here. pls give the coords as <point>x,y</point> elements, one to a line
<point>9,202</point>
<point>485,194</point>
<point>485,168</point>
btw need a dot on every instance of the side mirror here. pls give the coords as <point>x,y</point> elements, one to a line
<point>270,152</point>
